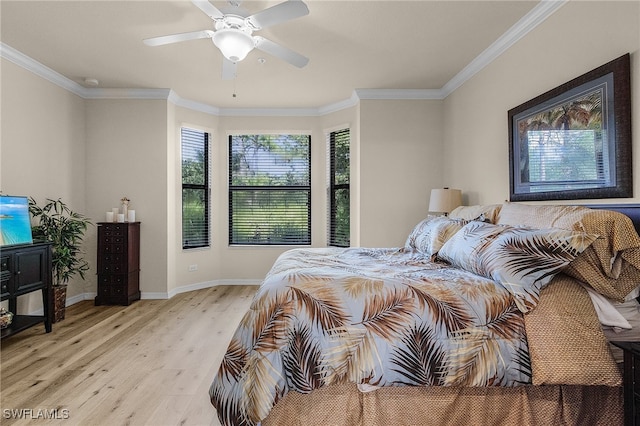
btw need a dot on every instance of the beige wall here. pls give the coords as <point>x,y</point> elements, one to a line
<point>127,150</point>
<point>568,44</point>
<point>43,148</point>
<point>174,198</point>
<point>400,161</point>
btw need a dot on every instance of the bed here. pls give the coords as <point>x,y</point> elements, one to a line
<point>485,317</point>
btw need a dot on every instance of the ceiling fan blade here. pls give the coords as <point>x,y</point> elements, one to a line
<point>229,69</point>
<point>279,51</point>
<point>175,38</point>
<point>211,11</point>
<point>282,12</point>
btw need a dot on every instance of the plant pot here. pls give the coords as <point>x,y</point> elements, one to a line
<point>59,302</point>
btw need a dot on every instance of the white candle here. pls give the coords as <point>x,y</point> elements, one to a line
<point>115,212</point>
<point>131,216</point>
<point>120,217</point>
<point>109,217</point>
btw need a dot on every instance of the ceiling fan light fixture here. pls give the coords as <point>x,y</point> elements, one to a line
<point>234,44</point>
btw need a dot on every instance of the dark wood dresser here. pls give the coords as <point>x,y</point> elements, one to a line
<point>23,269</point>
<point>118,263</point>
<point>631,381</point>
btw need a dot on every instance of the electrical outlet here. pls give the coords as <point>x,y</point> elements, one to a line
<point>193,268</point>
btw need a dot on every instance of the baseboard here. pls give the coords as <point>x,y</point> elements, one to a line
<point>206,284</point>
<point>80,297</point>
<point>148,295</point>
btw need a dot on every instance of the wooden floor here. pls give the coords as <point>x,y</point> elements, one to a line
<point>150,363</point>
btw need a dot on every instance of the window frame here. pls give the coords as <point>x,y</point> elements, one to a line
<point>335,187</point>
<point>204,187</point>
<point>268,188</point>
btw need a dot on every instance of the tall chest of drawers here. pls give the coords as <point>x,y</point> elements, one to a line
<point>118,263</point>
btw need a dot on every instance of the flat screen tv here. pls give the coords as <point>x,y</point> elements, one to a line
<point>15,222</point>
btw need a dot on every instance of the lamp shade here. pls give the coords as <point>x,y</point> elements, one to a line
<point>234,44</point>
<point>443,200</point>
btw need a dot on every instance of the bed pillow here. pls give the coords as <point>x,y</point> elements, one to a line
<point>611,265</point>
<point>465,248</point>
<point>428,236</point>
<point>608,313</point>
<point>633,294</point>
<point>566,342</point>
<point>522,260</point>
<point>489,213</point>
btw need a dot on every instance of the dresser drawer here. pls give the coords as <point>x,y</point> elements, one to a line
<point>114,268</point>
<point>110,263</point>
<point>114,230</point>
<point>112,280</point>
<point>114,293</point>
<point>116,239</point>
<point>114,248</point>
<point>117,258</point>
<point>5,276</point>
<point>4,286</point>
<point>5,265</point>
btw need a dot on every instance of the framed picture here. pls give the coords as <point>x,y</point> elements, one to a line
<point>15,222</point>
<point>574,141</point>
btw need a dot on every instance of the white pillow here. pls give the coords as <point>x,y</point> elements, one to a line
<point>522,260</point>
<point>430,234</point>
<point>607,312</point>
<point>633,294</point>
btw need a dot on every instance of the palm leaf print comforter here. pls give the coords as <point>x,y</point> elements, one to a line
<point>375,317</point>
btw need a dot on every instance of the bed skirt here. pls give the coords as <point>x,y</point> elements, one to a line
<point>345,405</point>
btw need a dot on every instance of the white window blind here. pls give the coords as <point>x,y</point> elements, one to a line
<point>195,188</point>
<point>270,189</point>
<point>339,195</point>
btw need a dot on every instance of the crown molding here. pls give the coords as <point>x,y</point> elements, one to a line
<point>536,16</point>
<point>527,23</point>
<point>338,106</point>
<point>269,112</point>
<point>151,94</point>
<point>175,99</point>
<point>399,94</point>
<point>9,53</point>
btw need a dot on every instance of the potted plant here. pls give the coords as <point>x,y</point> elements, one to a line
<point>57,223</point>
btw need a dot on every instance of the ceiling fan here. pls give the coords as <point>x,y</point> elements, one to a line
<point>233,33</point>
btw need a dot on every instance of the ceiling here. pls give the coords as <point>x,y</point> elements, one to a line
<point>357,44</point>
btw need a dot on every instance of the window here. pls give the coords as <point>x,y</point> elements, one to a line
<point>339,188</point>
<point>195,188</point>
<point>270,189</point>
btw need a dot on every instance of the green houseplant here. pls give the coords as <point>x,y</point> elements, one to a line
<point>57,223</point>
